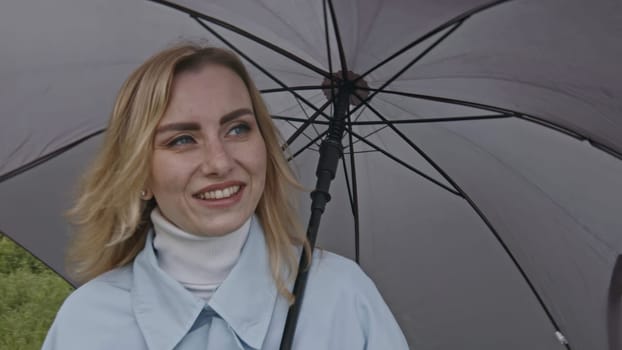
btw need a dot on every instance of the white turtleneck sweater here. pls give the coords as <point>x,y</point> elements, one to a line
<point>199,263</point>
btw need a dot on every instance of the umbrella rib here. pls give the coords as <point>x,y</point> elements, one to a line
<point>406,165</point>
<point>345,172</point>
<point>406,67</point>
<point>358,116</point>
<point>242,32</point>
<point>307,122</point>
<point>434,120</point>
<point>604,148</point>
<point>328,48</point>
<point>355,207</point>
<point>299,120</point>
<point>477,210</point>
<point>294,126</point>
<point>48,156</point>
<point>530,118</point>
<point>460,18</point>
<point>505,111</point>
<point>308,145</point>
<point>361,152</point>
<point>342,54</point>
<point>306,115</point>
<point>447,100</point>
<point>371,133</point>
<point>293,88</point>
<point>328,53</point>
<point>256,65</point>
<point>403,121</point>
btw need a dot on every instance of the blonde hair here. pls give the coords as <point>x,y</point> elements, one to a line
<point>110,218</point>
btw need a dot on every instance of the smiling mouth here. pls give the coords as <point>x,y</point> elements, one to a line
<point>218,194</point>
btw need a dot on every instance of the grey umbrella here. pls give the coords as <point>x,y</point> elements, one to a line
<point>487,208</point>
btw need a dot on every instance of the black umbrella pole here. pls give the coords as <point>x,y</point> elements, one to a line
<point>331,150</point>
<point>320,196</point>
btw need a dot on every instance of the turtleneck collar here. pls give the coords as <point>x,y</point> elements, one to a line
<point>199,263</point>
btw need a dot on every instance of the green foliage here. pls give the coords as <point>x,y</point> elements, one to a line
<point>30,295</point>
<point>13,258</point>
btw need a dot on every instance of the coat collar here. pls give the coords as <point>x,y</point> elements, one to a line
<point>247,297</point>
<point>166,311</point>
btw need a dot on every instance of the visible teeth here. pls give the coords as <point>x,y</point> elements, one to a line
<point>219,194</point>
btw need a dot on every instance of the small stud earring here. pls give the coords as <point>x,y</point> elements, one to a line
<point>144,194</point>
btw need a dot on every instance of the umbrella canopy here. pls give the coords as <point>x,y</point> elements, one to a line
<point>487,211</point>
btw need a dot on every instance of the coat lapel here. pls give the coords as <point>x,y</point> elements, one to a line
<point>246,299</point>
<point>164,309</point>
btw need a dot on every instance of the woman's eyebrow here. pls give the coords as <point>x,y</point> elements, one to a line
<point>183,126</point>
<point>234,115</point>
<point>192,126</point>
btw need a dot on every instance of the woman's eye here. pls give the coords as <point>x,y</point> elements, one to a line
<point>181,140</point>
<point>239,129</point>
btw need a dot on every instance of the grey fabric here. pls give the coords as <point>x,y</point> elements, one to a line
<point>553,199</point>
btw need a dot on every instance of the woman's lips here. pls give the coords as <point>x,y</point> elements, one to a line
<point>220,195</point>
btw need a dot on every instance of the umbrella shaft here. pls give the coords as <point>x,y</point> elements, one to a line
<point>331,151</point>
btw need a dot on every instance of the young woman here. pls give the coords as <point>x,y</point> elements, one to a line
<point>187,237</point>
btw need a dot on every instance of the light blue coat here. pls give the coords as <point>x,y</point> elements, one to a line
<point>140,307</point>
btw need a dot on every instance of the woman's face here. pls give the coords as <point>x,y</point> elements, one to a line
<point>209,161</point>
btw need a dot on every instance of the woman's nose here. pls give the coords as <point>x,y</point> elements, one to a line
<point>216,159</point>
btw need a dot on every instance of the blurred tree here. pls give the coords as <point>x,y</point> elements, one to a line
<point>30,295</point>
